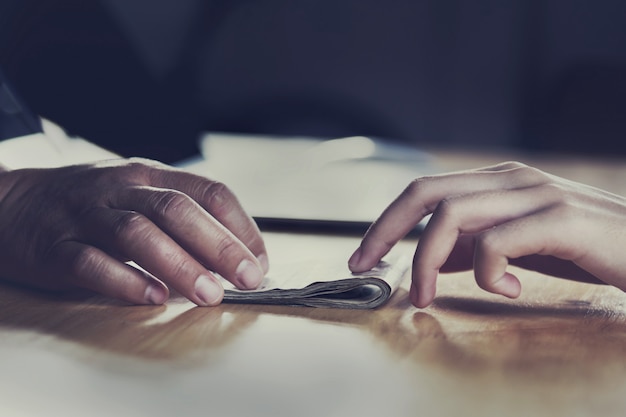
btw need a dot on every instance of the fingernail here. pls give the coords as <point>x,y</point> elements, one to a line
<point>248,274</point>
<point>353,262</point>
<point>155,294</point>
<point>208,291</point>
<point>265,264</point>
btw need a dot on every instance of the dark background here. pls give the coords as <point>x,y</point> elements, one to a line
<point>144,77</point>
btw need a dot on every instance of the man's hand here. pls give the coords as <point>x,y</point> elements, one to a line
<point>78,226</point>
<point>490,216</point>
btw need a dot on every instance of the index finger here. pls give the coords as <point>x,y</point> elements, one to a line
<point>421,197</point>
<point>196,231</point>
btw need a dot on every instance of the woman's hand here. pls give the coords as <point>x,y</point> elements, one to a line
<point>77,226</point>
<point>489,217</point>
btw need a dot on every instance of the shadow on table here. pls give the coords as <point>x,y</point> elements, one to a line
<point>467,335</point>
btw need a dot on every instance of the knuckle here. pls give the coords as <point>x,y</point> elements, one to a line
<point>567,211</point>
<point>446,209</point>
<point>218,197</point>
<point>143,162</point>
<point>530,174</point>
<point>129,224</point>
<point>137,164</point>
<point>182,269</point>
<point>417,186</point>
<point>486,242</point>
<point>226,247</point>
<point>567,203</point>
<point>508,165</point>
<point>146,170</point>
<point>557,190</point>
<point>135,160</point>
<point>172,204</point>
<point>520,175</point>
<point>251,236</point>
<point>561,191</point>
<point>86,262</point>
<point>416,193</point>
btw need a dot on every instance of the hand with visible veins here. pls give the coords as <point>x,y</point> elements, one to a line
<point>509,213</point>
<point>77,226</point>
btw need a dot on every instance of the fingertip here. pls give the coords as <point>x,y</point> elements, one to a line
<point>249,274</point>
<point>419,299</point>
<point>423,286</point>
<point>413,295</point>
<point>508,285</point>
<point>156,294</point>
<point>208,291</point>
<point>364,259</point>
<point>353,262</point>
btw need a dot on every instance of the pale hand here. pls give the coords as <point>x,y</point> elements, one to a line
<point>485,218</point>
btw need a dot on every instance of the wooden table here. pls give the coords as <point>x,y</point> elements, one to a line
<point>559,350</point>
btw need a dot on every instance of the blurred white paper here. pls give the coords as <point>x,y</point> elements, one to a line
<point>50,149</point>
<point>348,180</point>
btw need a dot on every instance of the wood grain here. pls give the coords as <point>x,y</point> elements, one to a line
<point>558,350</point>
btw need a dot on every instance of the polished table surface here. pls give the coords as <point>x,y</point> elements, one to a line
<point>558,350</point>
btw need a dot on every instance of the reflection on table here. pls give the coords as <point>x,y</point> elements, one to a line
<point>560,349</point>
